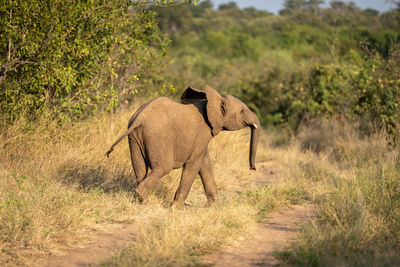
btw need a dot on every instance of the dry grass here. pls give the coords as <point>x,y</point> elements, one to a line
<point>49,196</point>
<point>177,238</point>
<point>355,182</point>
<point>56,187</point>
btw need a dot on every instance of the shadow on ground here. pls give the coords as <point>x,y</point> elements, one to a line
<point>89,177</point>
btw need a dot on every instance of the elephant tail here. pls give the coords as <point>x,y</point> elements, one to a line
<point>130,129</point>
<point>133,124</point>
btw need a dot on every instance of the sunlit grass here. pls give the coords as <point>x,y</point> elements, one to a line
<point>56,188</point>
<point>49,188</point>
<point>355,181</point>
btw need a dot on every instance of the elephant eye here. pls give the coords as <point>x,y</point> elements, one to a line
<point>242,111</point>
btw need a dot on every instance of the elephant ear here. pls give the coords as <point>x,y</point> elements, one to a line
<point>216,109</point>
<point>215,105</point>
<point>191,95</point>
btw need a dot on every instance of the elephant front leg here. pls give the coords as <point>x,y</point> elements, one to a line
<point>207,177</point>
<point>189,173</point>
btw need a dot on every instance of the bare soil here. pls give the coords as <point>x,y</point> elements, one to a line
<point>272,237</point>
<point>100,248</point>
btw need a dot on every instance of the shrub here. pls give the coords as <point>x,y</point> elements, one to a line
<point>362,88</point>
<point>69,59</point>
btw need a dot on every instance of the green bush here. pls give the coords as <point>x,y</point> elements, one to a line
<point>69,59</point>
<point>335,62</point>
<point>358,87</point>
<point>365,89</point>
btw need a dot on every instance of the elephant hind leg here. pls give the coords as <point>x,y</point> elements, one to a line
<point>148,184</point>
<point>138,162</point>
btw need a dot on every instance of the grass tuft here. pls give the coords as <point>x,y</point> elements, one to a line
<point>356,185</point>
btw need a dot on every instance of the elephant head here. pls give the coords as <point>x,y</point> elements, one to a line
<point>226,113</point>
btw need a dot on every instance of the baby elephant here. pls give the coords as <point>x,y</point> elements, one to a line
<point>166,135</point>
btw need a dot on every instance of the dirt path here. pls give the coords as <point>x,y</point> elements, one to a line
<point>274,236</point>
<point>99,249</point>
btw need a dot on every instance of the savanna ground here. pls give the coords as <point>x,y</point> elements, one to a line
<point>57,191</point>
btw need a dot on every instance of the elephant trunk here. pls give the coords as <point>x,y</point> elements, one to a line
<point>255,134</point>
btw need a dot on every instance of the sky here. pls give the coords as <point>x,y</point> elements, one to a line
<point>275,5</point>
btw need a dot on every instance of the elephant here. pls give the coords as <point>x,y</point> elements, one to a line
<point>165,135</point>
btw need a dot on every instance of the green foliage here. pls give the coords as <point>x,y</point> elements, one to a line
<point>291,6</point>
<point>356,88</point>
<point>229,5</point>
<point>366,89</point>
<point>311,62</point>
<point>69,59</point>
<point>371,12</point>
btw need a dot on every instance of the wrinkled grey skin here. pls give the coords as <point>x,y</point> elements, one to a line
<point>165,135</point>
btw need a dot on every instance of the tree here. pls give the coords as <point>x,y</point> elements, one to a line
<point>342,7</point>
<point>67,59</point>
<point>371,12</point>
<point>254,12</point>
<point>313,5</point>
<point>229,5</point>
<point>295,4</point>
<point>291,6</point>
<point>174,20</point>
<point>206,4</point>
<point>202,7</point>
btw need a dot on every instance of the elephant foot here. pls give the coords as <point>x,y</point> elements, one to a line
<point>138,196</point>
<point>210,198</point>
<point>179,205</point>
<point>209,203</point>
